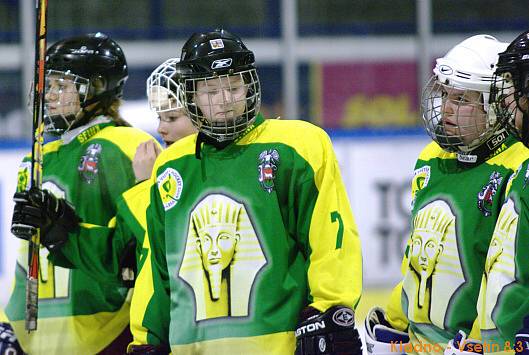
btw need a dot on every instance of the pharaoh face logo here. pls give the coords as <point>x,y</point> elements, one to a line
<point>88,166</point>
<point>424,251</point>
<point>434,272</point>
<point>499,265</point>
<point>486,195</point>
<point>222,257</point>
<point>269,160</point>
<point>216,240</point>
<point>430,226</point>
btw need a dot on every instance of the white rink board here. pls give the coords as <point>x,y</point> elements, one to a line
<point>377,173</point>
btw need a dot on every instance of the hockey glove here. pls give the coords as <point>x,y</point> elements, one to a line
<point>521,342</point>
<point>331,332</point>
<point>8,341</point>
<point>149,350</point>
<point>381,337</point>
<point>461,345</point>
<point>40,209</point>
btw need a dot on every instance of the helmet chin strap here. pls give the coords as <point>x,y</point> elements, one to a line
<point>87,115</point>
<point>203,138</point>
<point>102,101</point>
<point>104,96</point>
<point>483,152</point>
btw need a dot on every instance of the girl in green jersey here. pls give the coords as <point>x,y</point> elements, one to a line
<point>84,172</point>
<point>458,188</point>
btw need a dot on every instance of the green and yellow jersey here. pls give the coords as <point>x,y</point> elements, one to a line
<point>453,216</point>
<point>98,250</point>
<point>90,167</point>
<point>504,295</point>
<point>243,239</point>
<point>83,249</point>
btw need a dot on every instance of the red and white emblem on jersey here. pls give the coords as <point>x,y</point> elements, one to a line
<point>486,195</point>
<point>88,166</point>
<point>269,160</point>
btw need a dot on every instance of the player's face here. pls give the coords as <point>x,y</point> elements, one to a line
<point>511,106</point>
<point>174,125</point>
<point>222,99</point>
<point>463,115</point>
<point>218,247</point>
<point>62,97</point>
<point>516,108</point>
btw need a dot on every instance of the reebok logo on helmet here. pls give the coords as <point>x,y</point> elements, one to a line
<point>221,63</point>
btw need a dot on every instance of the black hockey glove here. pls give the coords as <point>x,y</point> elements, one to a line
<point>331,332</point>
<point>149,350</point>
<point>8,341</point>
<point>40,209</point>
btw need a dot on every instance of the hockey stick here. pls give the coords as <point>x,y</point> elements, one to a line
<point>32,280</point>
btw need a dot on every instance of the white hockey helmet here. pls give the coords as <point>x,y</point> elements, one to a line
<point>163,90</point>
<point>467,67</point>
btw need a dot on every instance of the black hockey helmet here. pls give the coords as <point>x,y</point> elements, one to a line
<point>216,55</point>
<point>515,60</point>
<point>510,89</point>
<point>96,64</point>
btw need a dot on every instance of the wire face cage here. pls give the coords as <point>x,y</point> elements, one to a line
<point>457,119</point>
<point>163,89</point>
<point>223,106</point>
<point>65,95</point>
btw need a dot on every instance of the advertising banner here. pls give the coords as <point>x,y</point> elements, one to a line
<point>363,94</point>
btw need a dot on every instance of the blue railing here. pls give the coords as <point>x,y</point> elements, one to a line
<point>357,133</point>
